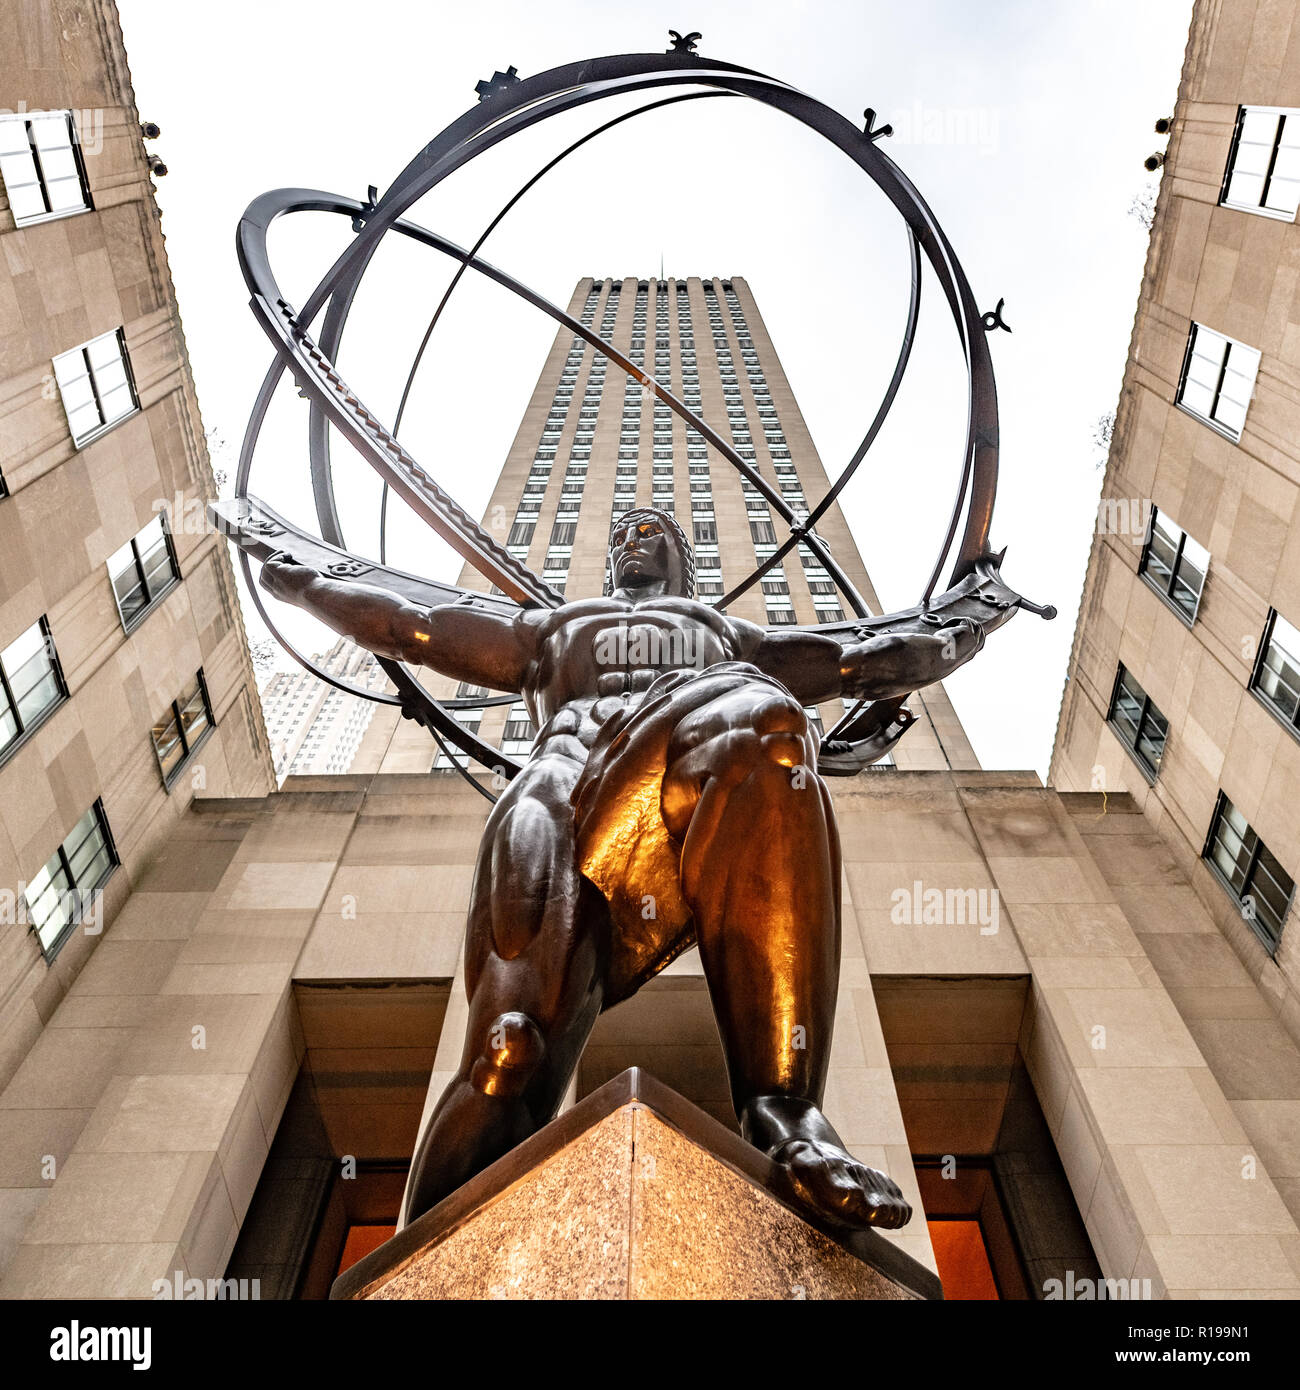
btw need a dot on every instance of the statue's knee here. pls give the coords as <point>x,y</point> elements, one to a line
<point>780,714</point>
<point>512,1052</point>
<point>782,728</point>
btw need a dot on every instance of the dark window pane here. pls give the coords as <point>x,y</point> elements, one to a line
<point>1161,556</point>
<point>194,717</point>
<point>167,740</point>
<point>157,565</point>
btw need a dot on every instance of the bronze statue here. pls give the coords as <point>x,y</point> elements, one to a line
<point>671,800</point>
<point>673,796</point>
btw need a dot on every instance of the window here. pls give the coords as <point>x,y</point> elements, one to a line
<point>1174,565</point>
<point>469,719</point>
<point>31,684</point>
<point>40,161</point>
<point>1242,863</point>
<point>1276,678</point>
<point>185,725</point>
<point>96,385</point>
<point>518,735</point>
<point>1218,380</point>
<point>1263,173</point>
<point>57,894</point>
<point>1142,729</point>
<point>762,530</point>
<point>562,533</point>
<point>143,570</point>
<point>521,533</point>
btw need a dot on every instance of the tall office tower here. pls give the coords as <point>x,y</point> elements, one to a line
<point>314,728</point>
<point>1184,682</point>
<point>594,443</point>
<point>126,687</point>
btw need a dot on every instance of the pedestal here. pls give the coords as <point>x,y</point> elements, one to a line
<point>634,1193</point>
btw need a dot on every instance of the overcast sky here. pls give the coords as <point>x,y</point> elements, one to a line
<point>1023,122</point>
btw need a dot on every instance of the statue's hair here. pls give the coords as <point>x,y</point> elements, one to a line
<point>673,528</point>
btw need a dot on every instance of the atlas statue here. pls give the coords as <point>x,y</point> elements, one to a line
<point>675,794</point>
<point>664,805</point>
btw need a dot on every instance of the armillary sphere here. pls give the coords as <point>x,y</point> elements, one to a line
<point>507,105</point>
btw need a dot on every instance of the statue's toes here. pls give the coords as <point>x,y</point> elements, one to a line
<point>842,1189</point>
<point>887,1206</point>
<point>874,1199</point>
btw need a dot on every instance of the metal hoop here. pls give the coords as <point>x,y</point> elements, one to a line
<point>503,111</point>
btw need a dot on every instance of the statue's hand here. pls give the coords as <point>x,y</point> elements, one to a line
<point>283,577</point>
<point>961,638</point>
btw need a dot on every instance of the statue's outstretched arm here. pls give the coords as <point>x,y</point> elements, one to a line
<point>816,667</point>
<point>464,643</point>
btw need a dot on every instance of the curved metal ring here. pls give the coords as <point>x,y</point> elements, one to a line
<point>563,88</point>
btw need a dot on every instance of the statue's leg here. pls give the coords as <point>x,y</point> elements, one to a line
<point>761,872</point>
<point>534,955</point>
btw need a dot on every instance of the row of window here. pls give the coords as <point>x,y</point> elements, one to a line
<point>45,178</point>
<point>1262,176</point>
<point>1234,851</point>
<point>1275,680</point>
<point>1216,385</point>
<point>142,572</point>
<point>32,687</point>
<point>60,894</point>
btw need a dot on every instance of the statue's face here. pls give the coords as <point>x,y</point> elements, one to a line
<point>641,552</point>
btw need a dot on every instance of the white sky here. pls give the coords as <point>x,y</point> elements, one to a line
<point>1023,122</point>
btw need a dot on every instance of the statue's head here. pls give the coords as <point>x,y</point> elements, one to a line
<point>647,545</point>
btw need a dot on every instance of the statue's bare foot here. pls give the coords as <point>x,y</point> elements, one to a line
<point>821,1173</point>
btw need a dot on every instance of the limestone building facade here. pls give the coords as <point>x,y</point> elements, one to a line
<point>1184,680</point>
<point>127,687</point>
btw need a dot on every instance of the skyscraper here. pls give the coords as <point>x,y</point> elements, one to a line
<point>312,727</point>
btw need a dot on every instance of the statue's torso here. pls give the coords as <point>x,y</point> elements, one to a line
<point>599,655</point>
